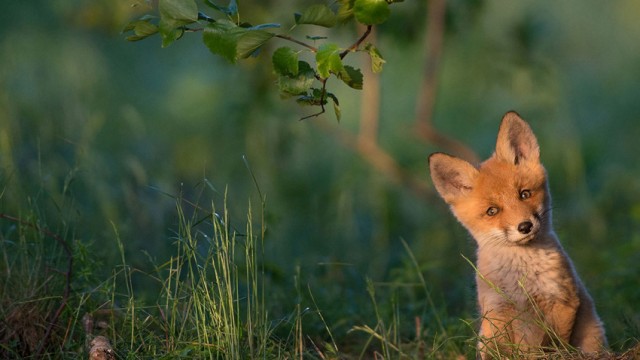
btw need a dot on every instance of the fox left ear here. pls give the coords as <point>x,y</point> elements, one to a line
<point>516,142</point>
<point>452,177</point>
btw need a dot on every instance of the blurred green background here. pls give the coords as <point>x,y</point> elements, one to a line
<point>102,133</point>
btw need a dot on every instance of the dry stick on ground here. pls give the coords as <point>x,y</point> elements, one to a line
<point>427,95</point>
<point>67,276</point>
<point>101,349</point>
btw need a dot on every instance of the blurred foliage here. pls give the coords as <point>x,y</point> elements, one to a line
<point>229,35</point>
<point>100,131</point>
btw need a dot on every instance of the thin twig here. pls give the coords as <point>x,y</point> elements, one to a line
<point>289,38</point>
<point>67,275</point>
<point>323,100</point>
<point>322,111</point>
<point>357,43</point>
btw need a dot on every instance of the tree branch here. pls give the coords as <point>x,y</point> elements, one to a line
<point>357,43</point>
<point>435,26</point>
<point>379,159</point>
<point>365,143</point>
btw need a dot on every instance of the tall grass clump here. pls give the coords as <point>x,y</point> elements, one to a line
<point>213,290</point>
<point>211,303</point>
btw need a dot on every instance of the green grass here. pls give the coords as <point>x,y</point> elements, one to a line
<point>214,299</point>
<point>211,302</point>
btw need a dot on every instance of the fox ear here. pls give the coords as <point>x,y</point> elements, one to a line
<point>451,176</point>
<point>516,142</point>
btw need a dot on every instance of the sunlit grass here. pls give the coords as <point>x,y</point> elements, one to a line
<point>213,301</point>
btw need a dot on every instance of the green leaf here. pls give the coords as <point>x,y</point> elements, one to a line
<point>230,10</point>
<point>173,15</point>
<point>132,24</point>
<point>232,42</point>
<point>177,13</point>
<point>298,84</point>
<point>306,100</point>
<point>351,76</point>
<point>285,61</point>
<point>169,34</point>
<point>336,106</point>
<point>319,14</point>
<point>250,40</point>
<point>219,38</point>
<point>141,29</point>
<point>371,12</point>
<point>314,98</point>
<point>345,10</point>
<point>328,60</point>
<point>376,58</point>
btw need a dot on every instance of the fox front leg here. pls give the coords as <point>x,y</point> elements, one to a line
<point>560,316</point>
<point>495,333</point>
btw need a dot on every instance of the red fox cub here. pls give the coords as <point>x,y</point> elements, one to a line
<point>529,294</point>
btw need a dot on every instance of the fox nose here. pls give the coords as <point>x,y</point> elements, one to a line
<point>525,227</point>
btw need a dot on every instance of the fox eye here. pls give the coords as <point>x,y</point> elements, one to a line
<point>492,211</point>
<point>525,194</point>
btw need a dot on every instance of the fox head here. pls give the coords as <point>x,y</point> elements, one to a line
<point>505,200</point>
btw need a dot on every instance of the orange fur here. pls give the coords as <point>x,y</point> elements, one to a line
<point>529,294</point>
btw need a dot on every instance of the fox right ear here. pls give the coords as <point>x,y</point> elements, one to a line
<point>451,176</point>
<point>516,142</point>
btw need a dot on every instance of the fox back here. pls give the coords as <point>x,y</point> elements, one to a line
<point>529,294</point>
